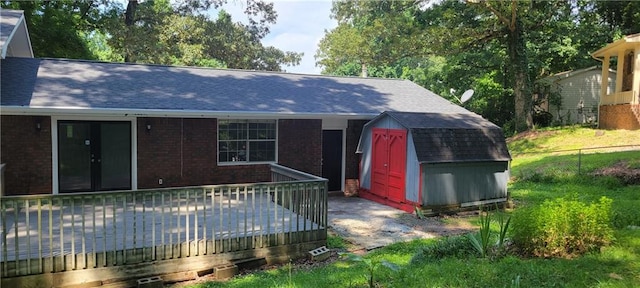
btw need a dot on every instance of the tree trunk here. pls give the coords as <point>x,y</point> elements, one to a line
<point>130,14</point>
<point>364,72</point>
<point>522,83</point>
<point>129,20</point>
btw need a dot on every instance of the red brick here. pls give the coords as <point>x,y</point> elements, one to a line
<point>300,144</point>
<point>618,117</point>
<point>26,151</point>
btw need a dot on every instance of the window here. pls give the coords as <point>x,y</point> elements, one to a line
<point>246,141</point>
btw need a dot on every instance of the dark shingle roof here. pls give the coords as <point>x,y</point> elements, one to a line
<point>57,84</point>
<point>442,138</point>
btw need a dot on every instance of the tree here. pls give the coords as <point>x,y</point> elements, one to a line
<point>156,32</point>
<point>623,16</point>
<point>498,48</point>
<point>369,33</point>
<point>56,27</point>
<point>516,50</point>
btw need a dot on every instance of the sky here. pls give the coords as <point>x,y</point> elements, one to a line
<point>299,28</point>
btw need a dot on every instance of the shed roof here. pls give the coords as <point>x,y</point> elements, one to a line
<point>58,85</point>
<point>574,73</point>
<point>458,137</point>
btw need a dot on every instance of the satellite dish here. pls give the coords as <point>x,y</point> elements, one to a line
<point>466,96</point>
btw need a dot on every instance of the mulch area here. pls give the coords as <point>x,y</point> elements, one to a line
<point>621,170</point>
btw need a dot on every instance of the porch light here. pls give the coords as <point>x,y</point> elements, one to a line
<point>38,124</point>
<point>148,126</point>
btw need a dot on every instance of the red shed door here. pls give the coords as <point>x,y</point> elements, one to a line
<point>389,163</point>
<point>379,156</point>
<point>397,164</point>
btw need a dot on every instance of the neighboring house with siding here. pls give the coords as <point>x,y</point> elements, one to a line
<point>579,92</point>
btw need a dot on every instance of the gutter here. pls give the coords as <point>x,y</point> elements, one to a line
<point>116,112</point>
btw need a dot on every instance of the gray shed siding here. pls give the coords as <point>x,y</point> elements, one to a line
<point>412,185</point>
<point>459,183</point>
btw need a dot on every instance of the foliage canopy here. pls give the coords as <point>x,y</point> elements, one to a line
<point>155,32</point>
<point>497,48</point>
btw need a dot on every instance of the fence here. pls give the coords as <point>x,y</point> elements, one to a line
<point>67,232</point>
<point>579,160</point>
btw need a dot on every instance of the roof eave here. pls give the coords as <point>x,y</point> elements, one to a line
<point>627,40</point>
<point>21,24</point>
<point>116,112</point>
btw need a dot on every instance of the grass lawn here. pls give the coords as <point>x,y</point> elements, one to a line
<point>537,178</point>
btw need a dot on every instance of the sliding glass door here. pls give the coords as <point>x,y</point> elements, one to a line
<point>94,156</point>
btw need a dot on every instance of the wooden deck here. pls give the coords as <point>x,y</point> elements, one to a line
<point>247,220</point>
<point>121,233</point>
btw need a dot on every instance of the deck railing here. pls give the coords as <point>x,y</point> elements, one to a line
<point>625,97</point>
<point>54,233</point>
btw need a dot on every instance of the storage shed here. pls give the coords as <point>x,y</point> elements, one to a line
<point>433,160</point>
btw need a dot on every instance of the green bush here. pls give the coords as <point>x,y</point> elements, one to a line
<point>452,246</point>
<point>563,227</point>
<point>336,242</point>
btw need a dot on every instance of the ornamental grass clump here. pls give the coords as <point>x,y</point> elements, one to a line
<point>564,227</point>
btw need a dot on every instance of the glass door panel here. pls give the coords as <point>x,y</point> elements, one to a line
<point>74,156</point>
<point>115,156</point>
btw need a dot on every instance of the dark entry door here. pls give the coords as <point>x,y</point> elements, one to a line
<point>332,158</point>
<point>94,156</point>
<point>389,163</point>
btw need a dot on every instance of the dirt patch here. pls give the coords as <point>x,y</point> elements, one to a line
<point>621,170</point>
<point>445,225</point>
<point>528,135</point>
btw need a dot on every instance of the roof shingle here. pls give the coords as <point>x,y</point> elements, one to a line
<point>59,83</point>
<point>443,138</point>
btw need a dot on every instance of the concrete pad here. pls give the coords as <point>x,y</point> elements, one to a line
<point>369,224</point>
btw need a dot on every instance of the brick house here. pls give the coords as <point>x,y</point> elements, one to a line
<point>620,108</point>
<point>73,125</point>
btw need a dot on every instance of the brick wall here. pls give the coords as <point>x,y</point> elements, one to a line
<point>183,152</point>
<point>300,144</point>
<point>26,152</point>
<point>617,117</point>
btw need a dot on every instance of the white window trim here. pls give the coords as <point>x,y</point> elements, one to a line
<point>240,163</point>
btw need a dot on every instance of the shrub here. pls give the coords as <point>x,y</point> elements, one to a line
<point>481,241</point>
<point>336,242</point>
<point>563,227</point>
<point>451,246</point>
